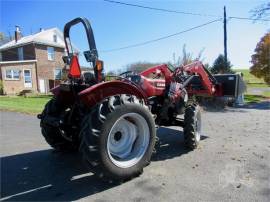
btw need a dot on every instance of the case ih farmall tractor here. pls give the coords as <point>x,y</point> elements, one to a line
<point>113,123</point>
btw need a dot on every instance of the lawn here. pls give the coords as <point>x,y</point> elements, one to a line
<point>255,98</point>
<point>254,82</point>
<point>251,80</point>
<point>30,105</point>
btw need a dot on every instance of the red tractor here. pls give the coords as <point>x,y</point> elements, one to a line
<point>113,123</point>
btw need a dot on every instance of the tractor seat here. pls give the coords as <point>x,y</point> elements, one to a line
<point>89,78</point>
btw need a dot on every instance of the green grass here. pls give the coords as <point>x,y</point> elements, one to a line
<point>266,94</point>
<point>29,105</point>
<point>257,85</point>
<point>250,79</point>
<point>255,98</point>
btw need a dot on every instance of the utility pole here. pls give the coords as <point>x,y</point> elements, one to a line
<point>225,35</point>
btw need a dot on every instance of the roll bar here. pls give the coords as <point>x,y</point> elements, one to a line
<point>90,36</point>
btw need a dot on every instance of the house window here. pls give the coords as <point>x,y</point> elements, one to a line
<point>20,53</point>
<point>51,53</point>
<point>54,38</point>
<point>58,74</point>
<point>12,74</point>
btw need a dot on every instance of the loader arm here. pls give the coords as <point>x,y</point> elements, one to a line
<point>208,81</point>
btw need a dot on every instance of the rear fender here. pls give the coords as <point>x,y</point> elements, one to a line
<point>63,94</point>
<point>97,93</point>
<point>56,90</point>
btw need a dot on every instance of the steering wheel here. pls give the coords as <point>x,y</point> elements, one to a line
<point>177,73</point>
<point>126,74</point>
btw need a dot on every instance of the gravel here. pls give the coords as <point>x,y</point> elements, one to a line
<point>232,163</point>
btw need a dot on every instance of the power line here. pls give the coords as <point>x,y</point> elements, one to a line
<point>242,18</point>
<point>161,38</point>
<point>181,12</point>
<point>161,9</point>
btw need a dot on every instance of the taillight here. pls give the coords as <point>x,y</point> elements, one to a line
<point>99,70</point>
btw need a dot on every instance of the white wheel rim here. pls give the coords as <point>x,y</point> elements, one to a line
<point>128,140</point>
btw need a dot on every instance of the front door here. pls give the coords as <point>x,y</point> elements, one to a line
<point>42,88</point>
<point>27,75</point>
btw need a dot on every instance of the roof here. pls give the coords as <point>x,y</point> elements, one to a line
<point>44,37</point>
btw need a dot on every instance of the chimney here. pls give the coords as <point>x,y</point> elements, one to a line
<point>18,33</point>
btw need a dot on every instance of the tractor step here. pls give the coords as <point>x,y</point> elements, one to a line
<point>40,116</point>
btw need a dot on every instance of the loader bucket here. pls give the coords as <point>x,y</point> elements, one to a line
<point>233,85</point>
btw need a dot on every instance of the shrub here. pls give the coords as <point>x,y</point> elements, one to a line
<point>1,87</point>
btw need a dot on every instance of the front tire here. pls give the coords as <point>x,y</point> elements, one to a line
<point>192,126</point>
<point>118,138</point>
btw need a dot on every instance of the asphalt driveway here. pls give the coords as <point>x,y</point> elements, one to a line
<point>231,164</point>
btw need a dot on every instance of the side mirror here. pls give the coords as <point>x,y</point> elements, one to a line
<point>90,56</point>
<point>66,59</point>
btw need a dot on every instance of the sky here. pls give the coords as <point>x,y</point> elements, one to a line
<point>117,26</point>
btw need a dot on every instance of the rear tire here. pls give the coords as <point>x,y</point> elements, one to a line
<point>192,126</point>
<point>52,134</point>
<point>118,138</point>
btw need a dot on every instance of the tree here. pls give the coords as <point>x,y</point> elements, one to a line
<point>2,36</point>
<point>187,57</point>
<point>261,59</point>
<point>262,11</point>
<point>207,66</point>
<point>220,66</point>
<point>4,39</point>
<point>140,66</point>
<point>110,75</point>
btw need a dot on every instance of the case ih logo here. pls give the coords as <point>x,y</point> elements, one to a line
<point>162,85</point>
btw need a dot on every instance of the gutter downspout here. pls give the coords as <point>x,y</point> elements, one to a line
<point>37,81</point>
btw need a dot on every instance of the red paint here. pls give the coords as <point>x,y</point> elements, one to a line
<point>197,68</point>
<point>146,88</point>
<point>152,87</point>
<point>163,69</point>
<point>149,86</point>
<point>98,92</point>
<point>66,96</point>
<point>156,87</point>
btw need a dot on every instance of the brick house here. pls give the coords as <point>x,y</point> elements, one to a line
<point>32,62</point>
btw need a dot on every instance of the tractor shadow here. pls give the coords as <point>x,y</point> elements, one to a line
<point>47,175</point>
<point>170,144</point>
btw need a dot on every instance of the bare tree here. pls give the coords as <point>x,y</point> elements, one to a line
<point>140,66</point>
<point>262,11</point>
<point>187,57</point>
